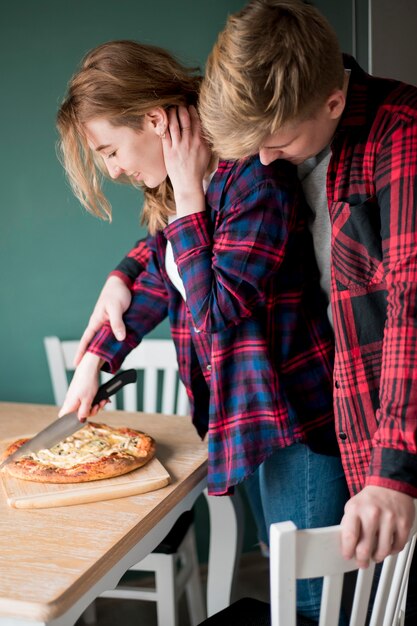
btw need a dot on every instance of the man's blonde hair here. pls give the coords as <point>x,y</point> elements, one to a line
<point>120,81</point>
<point>275,62</point>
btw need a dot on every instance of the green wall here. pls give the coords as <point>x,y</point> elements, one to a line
<point>349,18</point>
<point>54,256</point>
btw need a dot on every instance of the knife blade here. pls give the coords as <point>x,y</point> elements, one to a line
<point>68,424</point>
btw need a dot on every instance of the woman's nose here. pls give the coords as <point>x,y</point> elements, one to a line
<point>115,171</point>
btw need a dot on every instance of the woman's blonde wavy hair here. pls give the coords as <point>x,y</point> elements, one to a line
<point>275,62</point>
<point>120,81</point>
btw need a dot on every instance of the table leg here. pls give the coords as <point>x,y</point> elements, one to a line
<point>226,534</point>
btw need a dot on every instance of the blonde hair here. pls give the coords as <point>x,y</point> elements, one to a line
<point>275,62</point>
<point>120,81</point>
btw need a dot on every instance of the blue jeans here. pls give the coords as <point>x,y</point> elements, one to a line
<point>302,486</point>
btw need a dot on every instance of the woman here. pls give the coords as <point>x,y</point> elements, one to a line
<point>231,264</point>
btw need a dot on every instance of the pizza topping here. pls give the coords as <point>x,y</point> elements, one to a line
<point>95,452</point>
<point>87,445</point>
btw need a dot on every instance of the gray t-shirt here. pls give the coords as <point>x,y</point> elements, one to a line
<point>312,174</point>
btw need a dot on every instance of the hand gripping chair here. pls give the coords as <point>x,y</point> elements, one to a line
<point>296,554</point>
<point>174,562</point>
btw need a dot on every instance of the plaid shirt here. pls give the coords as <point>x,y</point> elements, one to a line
<point>133,263</point>
<point>372,194</point>
<point>255,349</point>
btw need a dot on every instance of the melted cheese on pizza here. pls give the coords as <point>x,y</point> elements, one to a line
<point>87,445</point>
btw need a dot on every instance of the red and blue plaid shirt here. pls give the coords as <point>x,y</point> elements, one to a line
<point>372,195</point>
<point>254,346</point>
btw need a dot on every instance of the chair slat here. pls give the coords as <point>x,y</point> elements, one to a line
<point>331,600</point>
<point>112,404</point>
<point>397,598</point>
<point>150,390</point>
<point>282,574</point>
<point>130,398</point>
<point>383,591</point>
<point>362,594</point>
<point>168,397</point>
<point>183,405</point>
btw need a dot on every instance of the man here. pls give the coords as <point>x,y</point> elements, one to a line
<point>276,83</point>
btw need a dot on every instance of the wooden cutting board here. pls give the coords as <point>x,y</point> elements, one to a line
<point>24,494</point>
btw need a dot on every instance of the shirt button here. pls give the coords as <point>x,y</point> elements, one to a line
<point>336,384</point>
<point>342,436</point>
<point>196,330</point>
<point>208,368</point>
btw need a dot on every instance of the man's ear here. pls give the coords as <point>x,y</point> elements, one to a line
<point>157,118</point>
<point>336,103</point>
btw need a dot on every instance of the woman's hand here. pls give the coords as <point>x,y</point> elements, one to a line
<point>113,301</point>
<point>187,156</point>
<point>83,388</point>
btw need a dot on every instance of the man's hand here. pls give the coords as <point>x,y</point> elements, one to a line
<point>376,523</point>
<point>113,301</point>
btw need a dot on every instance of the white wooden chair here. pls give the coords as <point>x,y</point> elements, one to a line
<point>175,572</point>
<point>297,554</point>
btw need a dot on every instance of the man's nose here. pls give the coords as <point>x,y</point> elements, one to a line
<point>267,156</point>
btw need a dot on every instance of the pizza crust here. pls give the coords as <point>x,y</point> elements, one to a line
<point>129,449</point>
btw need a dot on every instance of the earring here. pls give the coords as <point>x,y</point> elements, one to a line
<point>163,134</point>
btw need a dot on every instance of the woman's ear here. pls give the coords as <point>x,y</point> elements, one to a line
<point>158,120</point>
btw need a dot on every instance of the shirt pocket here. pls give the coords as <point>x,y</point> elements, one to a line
<point>356,244</point>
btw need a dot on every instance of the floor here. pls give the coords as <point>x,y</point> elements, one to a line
<point>252,581</point>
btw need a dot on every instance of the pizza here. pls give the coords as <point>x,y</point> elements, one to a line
<point>94,452</point>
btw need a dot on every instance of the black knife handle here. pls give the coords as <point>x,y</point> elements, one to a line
<point>114,384</point>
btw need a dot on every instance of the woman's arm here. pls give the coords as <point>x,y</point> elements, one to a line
<point>133,264</point>
<point>148,308</point>
<point>115,297</point>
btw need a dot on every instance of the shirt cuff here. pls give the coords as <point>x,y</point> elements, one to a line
<point>123,277</point>
<point>188,233</point>
<point>113,352</point>
<point>393,469</point>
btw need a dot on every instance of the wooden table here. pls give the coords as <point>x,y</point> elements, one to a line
<point>55,561</point>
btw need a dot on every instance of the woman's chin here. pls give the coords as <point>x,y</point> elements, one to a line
<point>153,181</point>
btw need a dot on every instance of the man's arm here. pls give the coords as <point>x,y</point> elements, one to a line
<point>378,519</point>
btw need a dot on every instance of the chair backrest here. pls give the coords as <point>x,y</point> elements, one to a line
<point>314,553</point>
<point>152,356</point>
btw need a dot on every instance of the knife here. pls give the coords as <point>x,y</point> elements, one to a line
<point>67,425</point>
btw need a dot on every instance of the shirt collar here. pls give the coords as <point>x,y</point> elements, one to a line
<point>355,116</point>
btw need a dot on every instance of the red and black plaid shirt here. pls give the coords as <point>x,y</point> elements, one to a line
<point>372,194</point>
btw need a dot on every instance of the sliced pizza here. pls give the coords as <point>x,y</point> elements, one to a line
<point>94,452</point>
